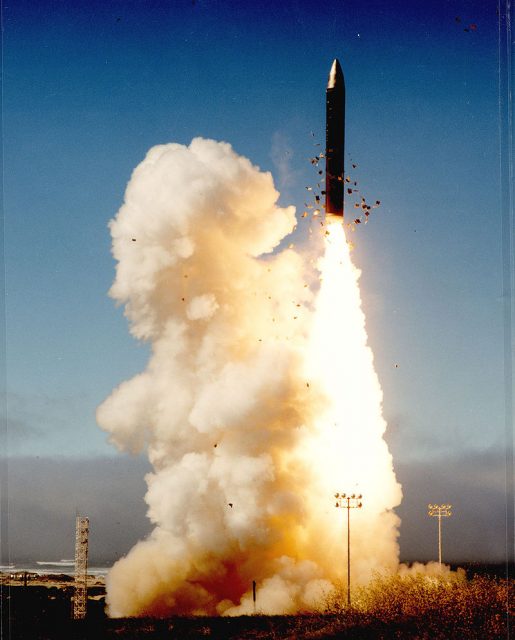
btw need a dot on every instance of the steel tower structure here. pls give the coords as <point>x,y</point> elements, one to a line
<point>80,597</point>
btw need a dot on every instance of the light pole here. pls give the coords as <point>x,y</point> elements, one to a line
<point>348,502</point>
<point>439,511</point>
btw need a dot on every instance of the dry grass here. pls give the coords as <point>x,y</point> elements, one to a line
<point>445,606</point>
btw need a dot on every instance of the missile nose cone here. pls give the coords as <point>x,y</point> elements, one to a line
<point>335,75</point>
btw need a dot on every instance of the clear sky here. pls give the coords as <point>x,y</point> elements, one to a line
<point>90,87</point>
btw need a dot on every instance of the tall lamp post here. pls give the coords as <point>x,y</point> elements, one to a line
<point>348,502</point>
<point>439,511</point>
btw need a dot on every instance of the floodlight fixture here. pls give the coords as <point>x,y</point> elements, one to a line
<point>348,502</point>
<point>439,511</point>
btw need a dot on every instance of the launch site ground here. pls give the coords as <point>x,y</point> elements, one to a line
<point>40,608</point>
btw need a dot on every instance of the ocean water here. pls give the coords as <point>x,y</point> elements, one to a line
<point>45,567</point>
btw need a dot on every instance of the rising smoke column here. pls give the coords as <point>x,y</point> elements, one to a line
<point>252,399</point>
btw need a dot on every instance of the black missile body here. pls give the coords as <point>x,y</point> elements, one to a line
<point>335,141</point>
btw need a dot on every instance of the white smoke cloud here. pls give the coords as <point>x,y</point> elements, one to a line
<point>235,414</point>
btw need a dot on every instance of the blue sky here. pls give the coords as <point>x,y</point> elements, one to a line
<point>90,87</point>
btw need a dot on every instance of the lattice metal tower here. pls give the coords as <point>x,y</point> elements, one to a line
<point>80,597</point>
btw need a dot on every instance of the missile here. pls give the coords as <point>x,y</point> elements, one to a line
<point>334,141</point>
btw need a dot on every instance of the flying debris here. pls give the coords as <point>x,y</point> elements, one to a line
<point>336,181</point>
<point>470,27</point>
<point>335,140</point>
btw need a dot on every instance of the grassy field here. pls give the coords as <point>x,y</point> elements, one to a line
<point>412,606</point>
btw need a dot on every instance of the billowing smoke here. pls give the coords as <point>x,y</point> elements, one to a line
<point>259,401</point>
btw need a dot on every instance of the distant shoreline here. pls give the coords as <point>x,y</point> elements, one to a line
<point>42,568</point>
<point>49,580</point>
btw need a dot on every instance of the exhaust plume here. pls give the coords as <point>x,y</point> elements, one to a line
<point>259,401</point>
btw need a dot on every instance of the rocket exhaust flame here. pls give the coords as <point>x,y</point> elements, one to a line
<point>259,401</point>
